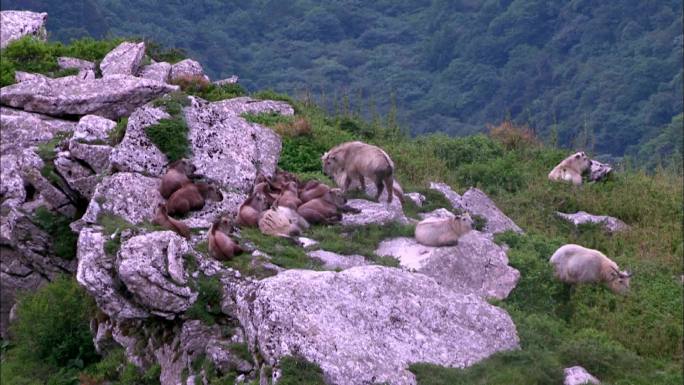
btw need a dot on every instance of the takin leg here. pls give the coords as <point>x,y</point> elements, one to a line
<point>389,182</point>
<point>379,186</point>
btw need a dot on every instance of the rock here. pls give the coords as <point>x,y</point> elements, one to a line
<point>156,71</point>
<point>21,76</point>
<point>226,148</point>
<point>231,80</point>
<point>416,198</point>
<point>78,177</point>
<point>438,213</point>
<point>478,203</point>
<point>17,24</point>
<point>131,196</point>
<point>93,129</point>
<point>611,224</point>
<point>187,69</point>
<point>123,60</point>
<point>71,62</point>
<point>368,324</point>
<point>245,104</point>
<point>97,274</point>
<point>212,210</point>
<point>599,171</point>
<point>577,375</point>
<point>21,129</point>
<point>151,267</point>
<point>476,265</point>
<point>307,243</point>
<point>333,261</point>
<point>372,212</point>
<point>55,197</point>
<point>111,97</point>
<point>94,155</point>
<point>136,153</point>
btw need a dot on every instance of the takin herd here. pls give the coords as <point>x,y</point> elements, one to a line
<point>282,206</point>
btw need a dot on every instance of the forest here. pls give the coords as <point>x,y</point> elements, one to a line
<point>601,76</point>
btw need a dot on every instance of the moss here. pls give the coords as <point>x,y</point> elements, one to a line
<point>268,119</point>
<point>173,103</point>
<point>171,137</point>
<point>57,226</point>
<point>299,371</point>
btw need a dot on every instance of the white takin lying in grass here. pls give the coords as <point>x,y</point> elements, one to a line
<point>577,264</point>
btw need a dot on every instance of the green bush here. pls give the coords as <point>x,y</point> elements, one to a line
<point>298,371</point>
<point>301,154</point>
<point>171,137</point>
<point>53,325</point>
<point>214,93</point>
<point>159,53</point>
<point>208,303</point>
<point>465,150</point>
<point>493,176</point>
<point>57,226</point>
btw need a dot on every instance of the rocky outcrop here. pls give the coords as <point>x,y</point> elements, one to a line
<point>611,224</point>
<point>151,267</point>
<point>476,265</point>
<point>79,64</point>
<point>372,212</point>
<point>111,97</point>
<point>367,324</point>
<point>93,129</point>
<point>226,148</point>
<point>79,178</point>
<point>334,261</point>
<point>187,69</point>
<point>21,129</point>
<point>89,143</point>
<point>156,71</point>
<point>123,60</point>
<point>478,203</point>
<point>17,24</point>
<point>136,152</point>
<point>577,375</point>
<point>247,105</point>
<point>131,196</point>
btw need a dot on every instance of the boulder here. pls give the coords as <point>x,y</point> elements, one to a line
<point>21,76</point>
<point>151,267</point>
<point>93,129</point>
<point>247,105</point>
<point>476,265</point>
<point>599,171</point>
<point>334,261</point>
<point>372,212</point>
<point>17,24</point>
<point>611,224</point>
<point>97,274</point>
<point>123,60</point>
<point>156,71</point>
<point>226,148</point>
<point>577,375</point>
<point>111,97</point>
<point>79,178</point>
<point>136,153</point>
<point>21,129</point>
<point>94,155</point>
<point>368,324</point>
<point>131,196</point>
<point>416,198</point>
<point>71,62</point>
<point>187,69</point>
<point>478,203</point>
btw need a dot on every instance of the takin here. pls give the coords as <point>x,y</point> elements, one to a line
<point>443,231</point>
<point>577,264</point>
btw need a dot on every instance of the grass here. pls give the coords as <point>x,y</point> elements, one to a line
<point>117,134</point>
<point>298,371</point>
<point>433,201</point>
<point>57,226</point>
<point>284,251</point>
<point>200,87</point>
<point>208,304</point>
<point>171,137</point>
<point>47,151</point>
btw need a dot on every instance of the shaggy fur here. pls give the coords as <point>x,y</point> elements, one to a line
<point>221,246</point>
<point>162,218</point>
<point>192,196</point>
<point>326,209</point>
<point>250,210</point>
<point>571,169</point>
<point>577,264</point>
<point>442,231</point>
<point>282,222</point>
<point>176,176</point>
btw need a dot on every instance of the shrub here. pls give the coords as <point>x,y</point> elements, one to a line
<point>171,137</point>
<point>52,325</point>
<point>500,174</point>
<point>298,371</point>
<point>200,87</point>
<point>208,303</point>
<point>57,226</point>
<point>300,154</point>
<point>159,53</point>
<point>513,137</point>
<point>433,201</point>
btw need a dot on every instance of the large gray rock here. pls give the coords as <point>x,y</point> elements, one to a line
<point>21,76</point>
<point>374,213</point>
<point>186,69</point>
<point>97,274</point>
<point>476,265</point>
<point>110,97</point>
<point>151,267</point>
<point>17,24</point>
<point>94,155</point>
<point>131,196</point>
<point>156,71</point>
<point>21,129</point>
<point>79,178</point>
<point>123,60</point>
<point>247,105</point>
<point>90,142</point>
<point>611,224</point>
<point>478,203</point>
<point>228,149</point>
<point>599,171</point>
<point>577,375</point>
<point>136,152</point>
<point>71,62</point>
<point>93,128</point>
<point>368,324</point>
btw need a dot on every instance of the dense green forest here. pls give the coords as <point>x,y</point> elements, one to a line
<point>603,76</point>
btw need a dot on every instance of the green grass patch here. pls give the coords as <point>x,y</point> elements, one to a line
<point>298,371</point>
<point>173,103</point>
<point>268,119</point>
<point>285,252</point>
<point>208,304</point>
<point>171,137</point>
<point>433,201</point>
<point>117,134</point>
<point>57,226</point>
<point>361,240</point>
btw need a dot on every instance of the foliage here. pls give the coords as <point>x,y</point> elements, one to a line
<point>117,134</point>
<point>285,252</point>
<point>57,226</point>
<point>171,137</point>
<point>51,337</point>
<point>200,87</point>
<point>298,371</point>
<point>433,201</point>
<point>208,303</point>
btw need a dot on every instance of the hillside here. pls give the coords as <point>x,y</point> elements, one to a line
<point>602,76</point>
<point>96,291</point>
